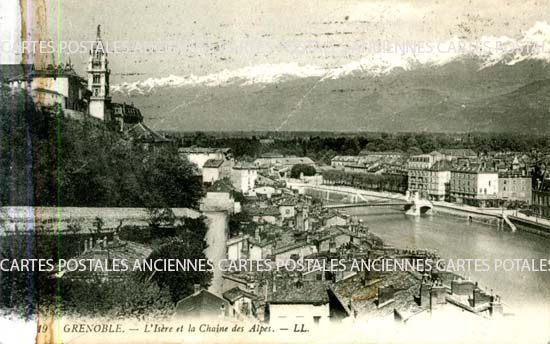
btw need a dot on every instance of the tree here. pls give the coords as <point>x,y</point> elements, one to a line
<point>414,151</point>
<point>160,217</point>
<point>299,169</point>
<point>179,283</point>
<point>127,298</point>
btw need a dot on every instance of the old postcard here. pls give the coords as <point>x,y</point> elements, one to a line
<point>277,171</point>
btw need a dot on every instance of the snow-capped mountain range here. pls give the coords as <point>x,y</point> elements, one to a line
<point>488,51</point>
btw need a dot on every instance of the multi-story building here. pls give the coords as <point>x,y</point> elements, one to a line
<point>55,87</point>
<point>243,177</point>
<point>200,155</point>
<point>343,160</point>
<point>424,161</point>
<point>514,187</point>
<point>289,162</point>
<point>541,199</point>
<point>459,154</point>
<point>420,173</point>
<point>382,155</point>
<point>475,185</point>
<point>125,115</point>
<point>216,169</point>
<point>439,177</point>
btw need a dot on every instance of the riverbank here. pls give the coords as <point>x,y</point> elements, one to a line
<point>536,227</point>
<point>498,217</point>
<point>471,214</point>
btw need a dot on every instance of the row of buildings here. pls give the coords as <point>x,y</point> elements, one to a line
<point>468,179</point>
<point>454,175</point>
<point>214,164</point>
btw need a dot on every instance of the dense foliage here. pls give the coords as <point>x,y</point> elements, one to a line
<point>187,243</point>
<point>368,181</point>
<point>49,160</point>
<point>299,169</point>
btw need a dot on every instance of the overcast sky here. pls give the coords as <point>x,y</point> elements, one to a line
<point>208,36</point>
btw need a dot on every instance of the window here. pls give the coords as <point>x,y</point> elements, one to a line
<point>97,79</point>
<point>316,319</point>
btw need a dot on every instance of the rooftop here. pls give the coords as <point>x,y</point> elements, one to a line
<point>236,293</point>
<point>143,133</point>
<point>459,152</point>
<point>442,165</point>
<point>213,163</point>
<point>203,303</point>
<point>222,185</point>
<point>203,150</point>
<point>300,292</point>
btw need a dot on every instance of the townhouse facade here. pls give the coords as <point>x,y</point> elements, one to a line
<point>475,186</point>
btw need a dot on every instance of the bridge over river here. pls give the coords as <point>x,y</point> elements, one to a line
<point>339,197</point>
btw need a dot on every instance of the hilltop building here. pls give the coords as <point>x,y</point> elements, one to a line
<point>56,87</point>
<point>59,87</point>
<point>98,80</point>
<point>514,187</point>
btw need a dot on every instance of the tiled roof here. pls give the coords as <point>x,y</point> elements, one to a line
<point>459,152</point>
<point>213,163</point>
<point>202,304</point>
<point>287,201</point>
<point>245,166</point>
<point>141,132</point>
<point>474,168</point>
<point>222,185</point>
<point>442,165</point>
<point>383,153</point>
<point>267,211</point>
<point>236,293</point>
<point>300,292</point>
<point>203,150</point>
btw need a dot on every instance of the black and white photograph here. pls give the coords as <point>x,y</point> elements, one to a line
<point>274,171</point>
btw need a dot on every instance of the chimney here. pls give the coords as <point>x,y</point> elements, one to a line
<point>197,288</point>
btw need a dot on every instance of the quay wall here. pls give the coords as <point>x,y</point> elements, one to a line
<point>470,215</point>
<point>530,226</point>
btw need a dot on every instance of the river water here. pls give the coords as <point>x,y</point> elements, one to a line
<point>453,238</point>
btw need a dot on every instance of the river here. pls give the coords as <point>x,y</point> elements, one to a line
<point>525,292</point>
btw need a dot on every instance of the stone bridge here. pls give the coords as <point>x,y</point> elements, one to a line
<point>414,207</point>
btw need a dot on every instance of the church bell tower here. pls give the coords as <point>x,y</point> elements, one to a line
<point>98,80</point>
